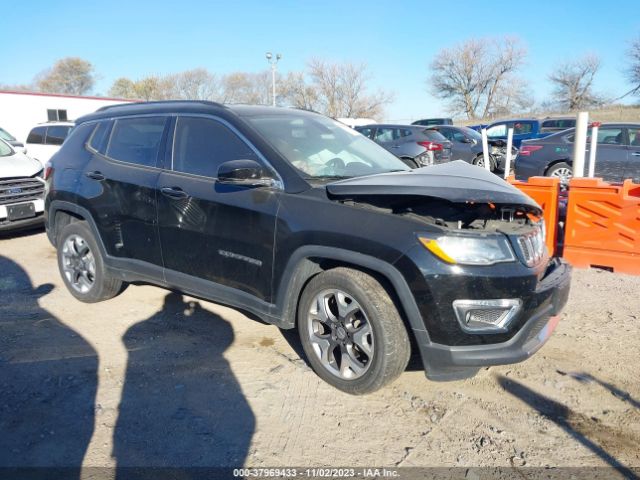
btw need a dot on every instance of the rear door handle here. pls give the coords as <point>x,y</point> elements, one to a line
<point>95,175</point>
<point>636,154</point>
<point>173,192</point>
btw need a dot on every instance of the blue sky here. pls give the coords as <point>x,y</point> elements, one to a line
<point>397,39</point>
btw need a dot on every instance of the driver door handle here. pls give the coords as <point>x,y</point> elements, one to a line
<point>636,154</point>
<point>173,192</point>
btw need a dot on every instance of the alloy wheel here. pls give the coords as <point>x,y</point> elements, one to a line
<point>78,264</point>
<point>340,334</point>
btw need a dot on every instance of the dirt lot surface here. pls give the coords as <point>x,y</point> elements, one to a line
<point>154,378</point>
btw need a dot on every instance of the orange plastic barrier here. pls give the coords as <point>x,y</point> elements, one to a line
<point>545,191</point>
<point>603,225</point>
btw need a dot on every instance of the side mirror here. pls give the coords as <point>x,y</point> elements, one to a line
<point>248,173</point>
<point>467,140</point>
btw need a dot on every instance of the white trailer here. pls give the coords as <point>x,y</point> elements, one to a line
<point>21,111</point>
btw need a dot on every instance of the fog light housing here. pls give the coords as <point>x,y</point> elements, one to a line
<point>486,316</point>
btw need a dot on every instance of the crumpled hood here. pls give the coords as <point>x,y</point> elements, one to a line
<point>18,165</point>
<point>455,181</point>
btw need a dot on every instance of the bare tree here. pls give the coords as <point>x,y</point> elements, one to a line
<point>71,75</point>
<point>196,84</point>
<point>152,87</point>
<point>297,92</point>
<point>573,83</point>
<point>243,87</point>
<point>633,71</point>
<point>474,75</point>
<point>341,90</point>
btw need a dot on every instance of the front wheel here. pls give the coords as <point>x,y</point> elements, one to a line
<point>351,331</point>
<point>479,162</point>
<point>82,267</point>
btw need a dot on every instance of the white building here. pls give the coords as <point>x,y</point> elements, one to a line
<point>21,111</point>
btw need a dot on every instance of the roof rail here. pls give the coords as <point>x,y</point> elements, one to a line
<point>157,102</point>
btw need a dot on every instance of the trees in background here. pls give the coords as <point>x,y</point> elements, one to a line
<point>479,77</point>
<point>633,69</point>
<point>71,76</point>
<point>335,89</point>
<point>573,83</point>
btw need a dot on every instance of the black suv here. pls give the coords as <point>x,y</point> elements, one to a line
<point>305,223</point>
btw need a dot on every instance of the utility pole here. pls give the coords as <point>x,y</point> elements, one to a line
<point>273,62</point>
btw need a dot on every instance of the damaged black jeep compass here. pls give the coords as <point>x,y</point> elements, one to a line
<point>306,224</point>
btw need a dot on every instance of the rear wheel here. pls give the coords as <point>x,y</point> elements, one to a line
<point>561,170</point>
<point>351,331</point>
<point>82,267</point>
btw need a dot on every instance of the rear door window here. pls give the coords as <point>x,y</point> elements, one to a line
<point>386,134</point>
<point>36,136</point>
<point>137,140</point>
<point>610,136</point>
<point>56,134</point>
<point>522,128</point>
<point>201,145</point>
<point>365,131</point>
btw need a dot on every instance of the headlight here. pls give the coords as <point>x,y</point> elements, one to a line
<point>470,250</point>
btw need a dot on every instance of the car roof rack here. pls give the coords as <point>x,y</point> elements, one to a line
<point>158,102</point>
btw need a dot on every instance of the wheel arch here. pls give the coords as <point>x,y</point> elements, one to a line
<point>551,164</point>
<point>65,213</point>
<point>310,260</point>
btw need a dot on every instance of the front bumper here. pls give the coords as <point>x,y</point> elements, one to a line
<point>32,222</point>
<point>453,362</point>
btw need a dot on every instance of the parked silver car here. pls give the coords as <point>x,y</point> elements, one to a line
<point>416,145</point>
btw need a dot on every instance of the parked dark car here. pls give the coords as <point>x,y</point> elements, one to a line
<point>427,122</point>
<point>301,221</point>
<point>556,124</point>
<point>466,144</point>
<point>415,145</point>
<point>617,154</point>
<point>523,129</point>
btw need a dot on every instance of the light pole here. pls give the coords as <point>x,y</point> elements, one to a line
<point>273,62</point>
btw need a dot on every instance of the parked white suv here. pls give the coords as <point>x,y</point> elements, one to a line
<point>45,140</point>
<point>21,189</point>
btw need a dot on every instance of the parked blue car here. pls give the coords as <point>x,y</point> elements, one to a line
<point>528,128</point>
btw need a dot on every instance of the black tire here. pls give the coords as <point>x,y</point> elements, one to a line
<point>104,286</point>
<point>410,162</point>
<point>478,161</point>
<point>391,347</point>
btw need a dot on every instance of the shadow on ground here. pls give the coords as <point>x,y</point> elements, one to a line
<point>48,380</point>
<point>613,390</point>
<point>588,432</point>
<point>181,404</point>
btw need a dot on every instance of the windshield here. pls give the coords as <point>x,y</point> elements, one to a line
<point>323,148</point>
<point>5,149</point>
<point>4,135</point>
<point>471,133</point>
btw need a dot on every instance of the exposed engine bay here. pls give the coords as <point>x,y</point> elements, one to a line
<point>509,219</point>
<point>455,195</point>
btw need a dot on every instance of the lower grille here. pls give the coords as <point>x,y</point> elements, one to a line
<point>23,189</point>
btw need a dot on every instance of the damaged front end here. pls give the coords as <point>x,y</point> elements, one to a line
<point>477,265</point>
<point>474,217</point>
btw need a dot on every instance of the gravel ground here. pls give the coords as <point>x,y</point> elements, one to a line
<point>154,378</point>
